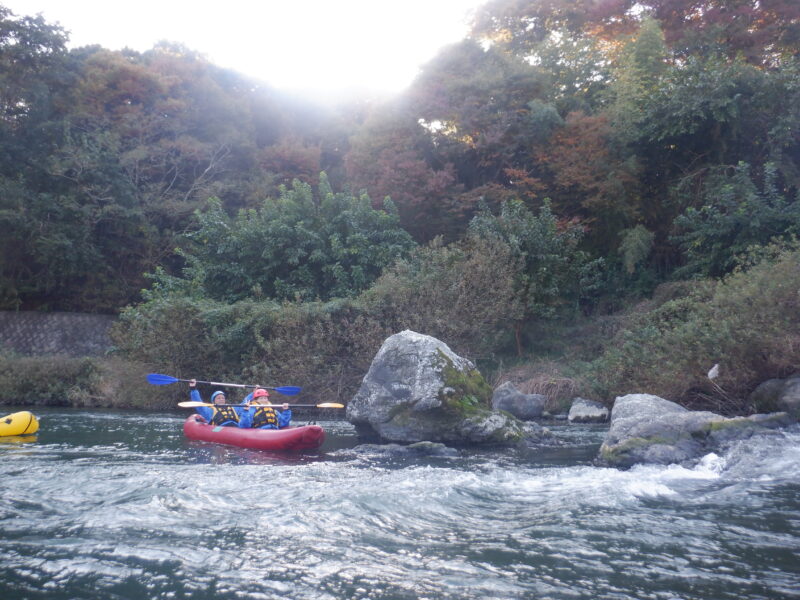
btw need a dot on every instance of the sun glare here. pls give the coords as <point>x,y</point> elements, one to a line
<point>315,46</point>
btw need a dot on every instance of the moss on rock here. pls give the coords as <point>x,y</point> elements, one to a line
<point>616,454</point>
<point>464,392</point>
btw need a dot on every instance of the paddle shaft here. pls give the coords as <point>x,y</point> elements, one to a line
<point>159,379</point>
<point>192,404</point>
<point>235,385</point>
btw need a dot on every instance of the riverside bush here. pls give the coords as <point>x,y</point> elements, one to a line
<point>47,380</point>
<point>748,323</point>
<point>78,382</point>
<point>324,347</point>
<point>462,294</point>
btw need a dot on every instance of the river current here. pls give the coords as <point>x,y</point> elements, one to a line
<point>119,505</point>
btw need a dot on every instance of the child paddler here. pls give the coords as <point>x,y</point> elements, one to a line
<point>259,413</point>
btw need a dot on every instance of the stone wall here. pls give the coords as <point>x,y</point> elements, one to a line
<point>39,333</point>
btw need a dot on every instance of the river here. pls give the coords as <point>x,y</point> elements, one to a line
<point>113,504</point>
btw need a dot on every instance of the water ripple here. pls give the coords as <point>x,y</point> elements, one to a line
<point>112,505</point>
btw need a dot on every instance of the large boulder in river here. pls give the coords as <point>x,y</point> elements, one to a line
<point>523,406</point>
<point>649,429</point>
<point>418,389</point>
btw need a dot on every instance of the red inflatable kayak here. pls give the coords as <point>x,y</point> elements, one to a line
<point>307,437</point>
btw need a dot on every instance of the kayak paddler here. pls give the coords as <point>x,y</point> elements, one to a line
<point>216,415</point>
<point>259,413</point>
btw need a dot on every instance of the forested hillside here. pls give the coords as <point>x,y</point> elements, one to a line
<point>565,157</point>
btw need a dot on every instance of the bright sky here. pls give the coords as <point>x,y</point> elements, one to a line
<point>325,47</point>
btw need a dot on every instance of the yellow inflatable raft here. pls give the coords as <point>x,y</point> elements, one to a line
<point>19,423</point>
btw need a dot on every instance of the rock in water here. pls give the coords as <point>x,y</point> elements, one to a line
<point>417,389</point>
<point>587,411</point>
<point>523,406</point>
<point>648,429</point>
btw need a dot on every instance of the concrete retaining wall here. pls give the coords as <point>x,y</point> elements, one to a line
<point>39,333</point>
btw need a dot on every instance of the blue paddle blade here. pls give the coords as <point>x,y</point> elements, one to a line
<point>157,379</point>
<point>289,390</point>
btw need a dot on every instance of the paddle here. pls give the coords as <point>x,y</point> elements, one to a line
<point>157,379</point>
<point>192,404</point>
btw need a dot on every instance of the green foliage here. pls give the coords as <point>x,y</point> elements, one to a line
<point>466,391</point>
<point>702,115</point>
<point>48,381</point>
<point>108,159</point>
<point>749,324</point>
<point>619,115</point>
<point>577,67</point>
<point>460,293</point>
<point>543,119</point>
<point>390,156</point>
<point>636,79</point>
<point>324,347</point>
<point>31,54</point>
<point>554,272</point>
<point>763,32</point>
<point>59,250</point>
<point>734,216</point>
<point>467,121</point>
<point>79,382</point>
<point>104,157</point>
<point>635,247</point>
<point>292,248</point>
<point>707,95</point>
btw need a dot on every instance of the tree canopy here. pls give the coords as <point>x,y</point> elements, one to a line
<point>664,134</point>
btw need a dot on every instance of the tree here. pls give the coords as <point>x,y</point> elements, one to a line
<point>292,159</point>
<point>392,156</point>
<point>474,105</point>
<point>734,215</point>
<point>553,272</point>
<point>464,132</point>
<point>295,247</point>
<point>31,53</point>
<point>590,180</point>
<point>519,26</point>
<point>636,78</point>
<point>762,31</point>
<point>461,292</point>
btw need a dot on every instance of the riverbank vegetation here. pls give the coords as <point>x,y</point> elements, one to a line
<point>589,200</point>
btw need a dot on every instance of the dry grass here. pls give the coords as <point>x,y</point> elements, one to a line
<point>544,378</point>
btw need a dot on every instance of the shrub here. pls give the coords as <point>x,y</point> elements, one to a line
<point>462,294</point>
<point>292,247</point>
<point>552,273</point>
<point>749,323</point>
<point>48,380</point>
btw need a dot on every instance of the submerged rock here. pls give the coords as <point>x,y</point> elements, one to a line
<point>587,411</point>
<point>411,450</point>
<point>523,406</point>
<point>417,389</point>
<point>649,429</point>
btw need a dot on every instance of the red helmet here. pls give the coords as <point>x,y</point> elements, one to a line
<point>260,393</point>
